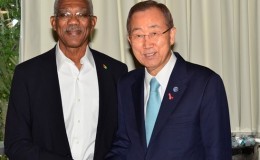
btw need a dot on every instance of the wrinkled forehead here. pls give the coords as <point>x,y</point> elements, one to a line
<point>151,18</point>
<point>73,4</point>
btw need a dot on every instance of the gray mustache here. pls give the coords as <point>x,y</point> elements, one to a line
<point>73,28</point>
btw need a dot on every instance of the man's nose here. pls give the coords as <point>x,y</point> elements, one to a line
<point>147,42</point>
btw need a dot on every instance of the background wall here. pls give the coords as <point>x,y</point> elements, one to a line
<point>223,35</point>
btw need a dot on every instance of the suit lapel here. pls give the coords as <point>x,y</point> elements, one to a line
<point>138,98</point>
<point>56,111</point>
<point>107,105</point>
<point>104,82</point>
<point>173,93</point>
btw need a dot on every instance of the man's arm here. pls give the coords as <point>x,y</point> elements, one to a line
<point>215,124</point>
<point>18,132</point>
<point>121,141</point>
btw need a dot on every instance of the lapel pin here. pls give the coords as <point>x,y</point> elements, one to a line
<point>175,89</point>
<point>170,96</point>
<point>104,66</point>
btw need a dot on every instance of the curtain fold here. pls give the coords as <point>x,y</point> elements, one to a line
<point>223,35</point>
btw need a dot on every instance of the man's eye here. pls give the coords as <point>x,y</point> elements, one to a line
<point>139,36</point>
<point>154,34</point>
<point>64,15</point>
<point>81,15</point>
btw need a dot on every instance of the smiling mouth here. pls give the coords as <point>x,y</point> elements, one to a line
<point>74,32</point>
<point>149,55</point>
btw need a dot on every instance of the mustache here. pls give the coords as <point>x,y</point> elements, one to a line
<point>73,28</point>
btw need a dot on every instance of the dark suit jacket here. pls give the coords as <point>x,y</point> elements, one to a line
<point>192,124</point>
<point>35,128</point>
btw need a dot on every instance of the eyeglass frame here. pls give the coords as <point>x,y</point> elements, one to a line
<point>151,36</point>
<point>65,16</point>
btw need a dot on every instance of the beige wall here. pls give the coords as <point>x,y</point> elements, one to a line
<point>221,34</point>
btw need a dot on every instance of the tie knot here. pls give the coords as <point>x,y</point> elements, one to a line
<point>154,85</point>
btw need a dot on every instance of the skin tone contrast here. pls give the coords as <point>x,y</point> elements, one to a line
<point>73,33</point>
<point>152,53</point>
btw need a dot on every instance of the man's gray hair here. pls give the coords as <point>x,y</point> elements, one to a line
<point>89,2</point>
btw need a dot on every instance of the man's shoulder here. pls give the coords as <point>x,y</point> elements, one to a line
<point>200,73</point>
<point>191,66</point>
<point>104,57</point>
<point>106,62</point>
<point>39,61</point>
<point>133,75</point>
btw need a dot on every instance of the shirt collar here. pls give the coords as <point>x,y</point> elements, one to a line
<point>62,59</point>
<point>164,74</point>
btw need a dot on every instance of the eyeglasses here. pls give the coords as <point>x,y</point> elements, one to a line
<point>151,36</point>
<point>65,16</point>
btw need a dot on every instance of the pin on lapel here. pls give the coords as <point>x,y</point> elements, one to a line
<point>170,96</point>
<point>104,66</point>
<point>175,89</point>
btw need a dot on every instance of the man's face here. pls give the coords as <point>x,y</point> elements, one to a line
<point>152,51</point>
<point>73,23</point>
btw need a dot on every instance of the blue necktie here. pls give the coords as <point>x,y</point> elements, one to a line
<point>152,109</point>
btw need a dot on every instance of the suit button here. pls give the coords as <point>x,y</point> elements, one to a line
<point>69,156</point>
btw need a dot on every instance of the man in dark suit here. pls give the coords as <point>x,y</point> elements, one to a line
<point>171,109</point>
<point>63,103</point>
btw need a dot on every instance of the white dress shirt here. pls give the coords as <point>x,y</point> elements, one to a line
<point>162,77</point>
<point>80,102</point>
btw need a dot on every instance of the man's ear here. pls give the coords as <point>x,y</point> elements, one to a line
<point>93,22</point>
<point>172,34</point>
<point>129,40</point>
<point>53,22</point>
